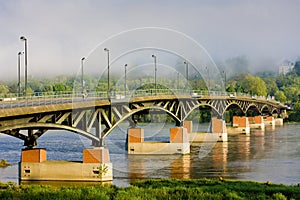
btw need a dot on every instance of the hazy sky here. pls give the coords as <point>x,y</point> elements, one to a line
<point>60,32</point>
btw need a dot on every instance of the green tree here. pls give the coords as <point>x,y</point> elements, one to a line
<point>3,90</point>
<point>291,93</point>
<point>271,85</point>
<point>280,96</point>
<point>297,68</point>
<point>254,85</point>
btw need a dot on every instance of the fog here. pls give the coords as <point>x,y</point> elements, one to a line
<point>249,36</point>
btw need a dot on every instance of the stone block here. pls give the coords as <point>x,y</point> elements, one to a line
<point>97,155</point>
<point>188,125</point>
<point>135,135</point>
<point>33,155</point>
<point>178,135</point>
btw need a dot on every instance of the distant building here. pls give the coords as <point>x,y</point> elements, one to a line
<point>286,67</point>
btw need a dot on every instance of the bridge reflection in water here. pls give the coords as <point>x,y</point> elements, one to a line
<point>265,155</point>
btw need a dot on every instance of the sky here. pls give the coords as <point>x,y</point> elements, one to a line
<point>60,33</point>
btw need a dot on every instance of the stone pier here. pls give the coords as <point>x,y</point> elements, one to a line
<point>240,125</point>
<point>278,122</point>
<point>269,121</point>
<point>217,132</point>
<point>256,122</point>
<point>95,167</point>
<point>178,143</point>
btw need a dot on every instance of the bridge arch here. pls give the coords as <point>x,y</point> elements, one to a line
<point>125,117</point>
<point>43,127</point>
<point>198,106</point>
<point>254,107</point>
<point>234,104</point>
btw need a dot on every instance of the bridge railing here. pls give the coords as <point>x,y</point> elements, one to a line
<point>42,98</point>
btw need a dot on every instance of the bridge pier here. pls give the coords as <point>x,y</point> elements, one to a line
<point>269,122</point>
<point>239,125</point>
<point>178,144</point>
<point>278,122</point>
<point>256,122</point>
<point>95,167</point>
<point>217,132</point>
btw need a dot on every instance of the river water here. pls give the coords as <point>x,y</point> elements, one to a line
<point>270,155</point>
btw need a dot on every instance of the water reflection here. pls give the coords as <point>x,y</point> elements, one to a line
<point>272,155</point>
<point>180,168</point>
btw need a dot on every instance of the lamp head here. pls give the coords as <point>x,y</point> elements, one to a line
<point>125,65</point>
<point>106,49</point>
<point>23,38</point>
<point>82,59</point>
<point>153,56</point>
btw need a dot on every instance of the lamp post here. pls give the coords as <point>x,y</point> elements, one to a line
<point>224,72</point>
<point>82,82</point>
<point>178,81</point>
<point>108,84</point>
<point>187,70</point>
<point>23,38</point>
<point>155,69</point>
<point>208,78</point>
<point>19,73</point>
<point>125,79</point>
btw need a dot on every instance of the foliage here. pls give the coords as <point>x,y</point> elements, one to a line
<point>156,189</point>
<point>4,163</point>
<point>297,68</point>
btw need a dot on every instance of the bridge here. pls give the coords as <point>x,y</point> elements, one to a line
<point>80,114</point>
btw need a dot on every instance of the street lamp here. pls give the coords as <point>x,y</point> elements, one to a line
<point>82,84</point>
<point>208,78</point>
<point>108,84</point>
<point>187,70</point>
<point>23,38</point>
<point>125,79</point>
<point>19,73</point>
<point>178,81</point>
<point>155,69</point>
<point>224,72</point>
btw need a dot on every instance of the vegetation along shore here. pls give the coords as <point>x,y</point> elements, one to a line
<point>156,189</point>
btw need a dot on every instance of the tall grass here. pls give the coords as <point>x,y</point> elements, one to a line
<point>156,189</point>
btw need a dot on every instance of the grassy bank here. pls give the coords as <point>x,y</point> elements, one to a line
<point>157,189</point>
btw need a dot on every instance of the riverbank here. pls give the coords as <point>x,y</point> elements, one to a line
<point>157,189</point>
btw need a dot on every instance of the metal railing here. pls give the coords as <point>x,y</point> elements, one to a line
<point>41,98</point>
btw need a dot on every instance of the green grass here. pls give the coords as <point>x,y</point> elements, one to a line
<point>156,189</point>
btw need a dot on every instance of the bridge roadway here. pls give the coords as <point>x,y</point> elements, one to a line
<point>72,112</point>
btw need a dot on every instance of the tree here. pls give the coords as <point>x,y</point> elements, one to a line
<point>297,68</point>
<point>254,85</point>
<point>3,90</point>
<point>271,86</point>
<point>280,96</point>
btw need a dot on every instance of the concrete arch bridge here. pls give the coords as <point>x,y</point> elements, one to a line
<point>70,112</point>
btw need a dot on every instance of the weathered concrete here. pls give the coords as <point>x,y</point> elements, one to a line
<point>95,167</point>
<point>178,144</point>
<point>188,125</point>
<point>278,122</point>
<point>218,133</point>
<point>269,121</point>
<point>240,125</point>
<point>208,137</point>
<point>256,122</point>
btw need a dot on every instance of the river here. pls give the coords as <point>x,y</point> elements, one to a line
<point>270,155</point>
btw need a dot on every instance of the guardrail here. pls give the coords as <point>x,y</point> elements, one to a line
<point>40,98</point>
